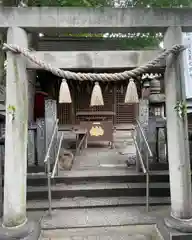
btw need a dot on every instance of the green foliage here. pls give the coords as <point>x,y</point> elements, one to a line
<point>162,3</point>
<point>69,3</point>
<point>131,41</point>
<point>140,41</point>
<point>103,3</point>
<point>11,110</point>
<point>181,109</point>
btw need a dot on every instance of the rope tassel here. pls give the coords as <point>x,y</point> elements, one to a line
<point>131,95</point>
<point>96,96</point>
<point>64,93</point>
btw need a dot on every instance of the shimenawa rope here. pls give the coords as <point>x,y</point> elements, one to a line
<point>134,73</point>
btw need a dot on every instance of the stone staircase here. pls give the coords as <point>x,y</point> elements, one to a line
<point>99,188</point>
<point>91,196</point>
<point>105,197</point>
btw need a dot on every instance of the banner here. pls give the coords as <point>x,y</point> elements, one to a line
<point>187,58</point>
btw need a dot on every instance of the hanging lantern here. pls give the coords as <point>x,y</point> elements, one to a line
<point>131,95</point>
<point>96,96</point>
<point>64,93</point>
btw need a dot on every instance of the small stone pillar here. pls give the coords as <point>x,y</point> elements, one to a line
<point>16,135</point>
<point>50,119</point>
<point>2,59</point>
<point>31,75</point>
<point>40,122</point>
<point>31,94</point>
<point>31,146</point>
<point>177,134</point>
<point>143,118</point>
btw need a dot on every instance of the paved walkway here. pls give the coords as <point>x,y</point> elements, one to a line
<point>103,233</point>
<point>101,223</point>
<point>102,156</point>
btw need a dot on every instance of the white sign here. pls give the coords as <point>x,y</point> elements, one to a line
<point>187,41</point>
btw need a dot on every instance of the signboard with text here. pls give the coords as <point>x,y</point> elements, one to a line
<point>187,57</point>
<point>98,131</point>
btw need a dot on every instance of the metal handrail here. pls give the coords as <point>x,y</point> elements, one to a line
<point>51,142</point>
<point>145,170</point>
<point>81,142</point>
<point>52,175</point>
<point>57,157</point>
<point>47,161</point>
<point>145,139</point>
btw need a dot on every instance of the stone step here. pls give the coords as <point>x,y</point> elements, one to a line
<point>100,237</point>
<point>95,189</point>
<point>84,202</point>
<point>99,175</point>
<point>102,217</point>
<point>101,233</point>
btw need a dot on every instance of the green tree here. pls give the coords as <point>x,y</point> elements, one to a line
<point>68,3</point>
<point>131,40</point>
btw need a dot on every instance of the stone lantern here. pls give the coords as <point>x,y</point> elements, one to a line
<point>146,89</point>
<point>156,99</point>
<point>157,122</point>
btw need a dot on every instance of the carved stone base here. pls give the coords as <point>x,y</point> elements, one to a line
<point>28,231</point>
<point>184,226</point>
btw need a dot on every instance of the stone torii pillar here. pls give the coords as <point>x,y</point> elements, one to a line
<point>15,223</point>
<point>177,135</point>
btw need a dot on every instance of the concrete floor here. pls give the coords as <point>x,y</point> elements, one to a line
<point>103,233</point>
<point>103,223</point>
<point>101,156</point>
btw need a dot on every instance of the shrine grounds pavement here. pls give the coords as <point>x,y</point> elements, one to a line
<point>102,223</point>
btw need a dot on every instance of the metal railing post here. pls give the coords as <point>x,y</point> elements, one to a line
<point>49,186</point>
<point>144,166</point>
<point>48,169</point>
<point>147,182</point>
<point>55,168</point>
<point>147,192</point>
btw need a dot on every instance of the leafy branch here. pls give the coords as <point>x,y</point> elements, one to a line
<point>181,109</point>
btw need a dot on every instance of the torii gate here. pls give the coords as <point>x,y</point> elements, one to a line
<point>74,19</point>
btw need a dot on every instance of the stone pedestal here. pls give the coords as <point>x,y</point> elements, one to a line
<point>28,231</point>
<point>177,134</point>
